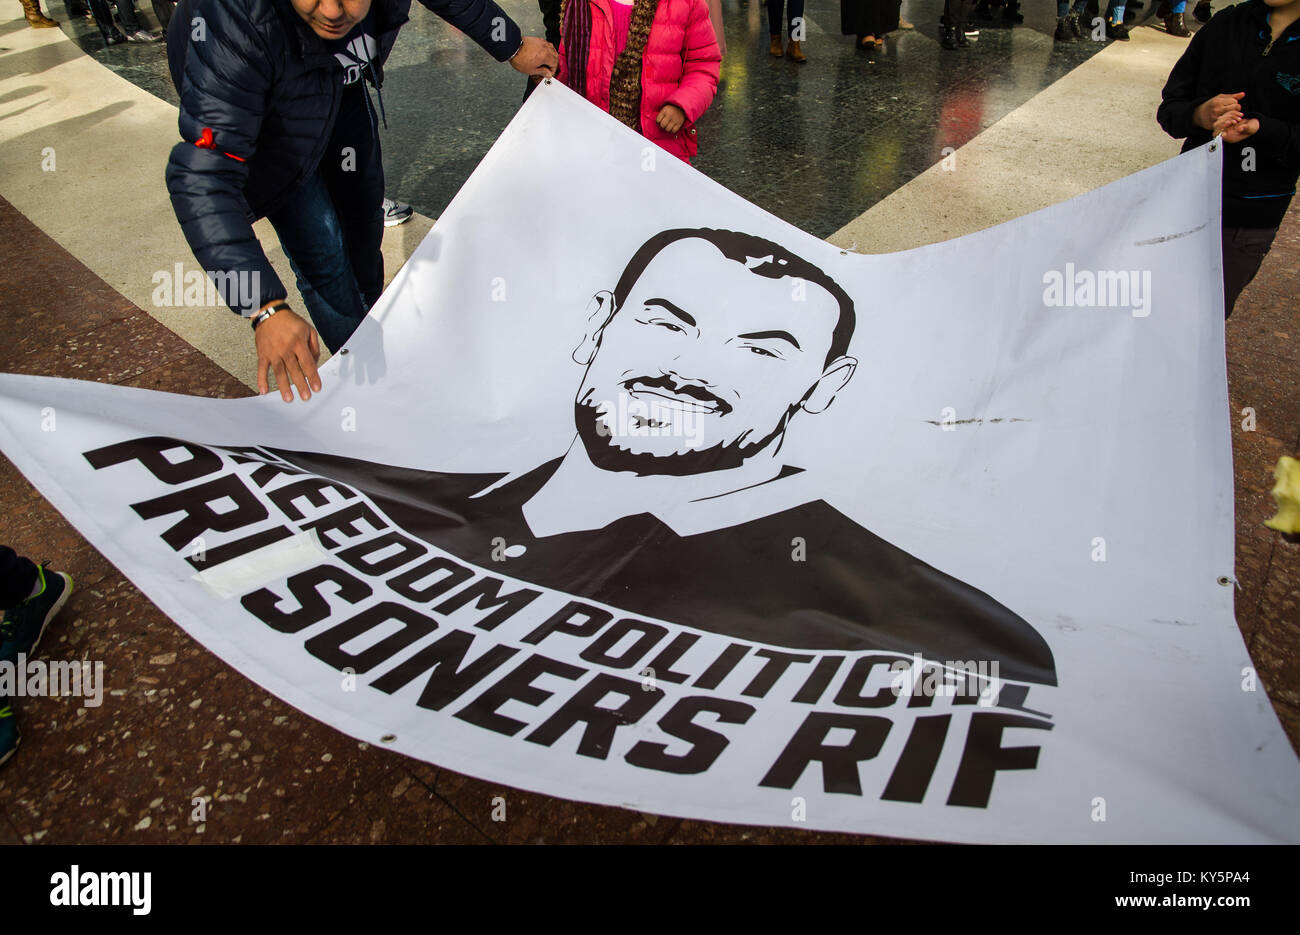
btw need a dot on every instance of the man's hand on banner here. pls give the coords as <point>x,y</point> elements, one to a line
<point>535,57</point>
<point>1208,113</point>
<point>671,118</point>
<point>289,346</point>
<point>1234,128</point>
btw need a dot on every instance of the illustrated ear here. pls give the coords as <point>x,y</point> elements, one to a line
<point>599,310</point>
<point>836,377</point>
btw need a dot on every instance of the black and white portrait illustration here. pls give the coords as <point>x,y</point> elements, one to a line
<point>671,499</point>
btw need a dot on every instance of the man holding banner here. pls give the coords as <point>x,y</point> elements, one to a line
<point>276,122</point>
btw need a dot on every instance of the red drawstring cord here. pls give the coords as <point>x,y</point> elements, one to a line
<point>205,142</point>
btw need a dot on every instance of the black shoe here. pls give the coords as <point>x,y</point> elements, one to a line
<point>1076,27</point>
<point>114,38</point>
<point>1063,31</point>
<point>960,35</point>
<point>23,626</point>
<point>948,37</point>
<point>9,734</point>
<point>1117,31</point>
<point>1203,11</point>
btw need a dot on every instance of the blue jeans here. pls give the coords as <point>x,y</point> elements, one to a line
<point>332,227</point>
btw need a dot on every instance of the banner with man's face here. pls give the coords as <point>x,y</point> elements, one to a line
<point>631,493</point>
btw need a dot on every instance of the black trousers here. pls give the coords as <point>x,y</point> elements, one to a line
<point>868,17</point>
<point>1244,249</point>
<point>793,9</point>
<point>551,20</point>
<point>551,23</point>
<point>104,16</point>
<point>17,577</point>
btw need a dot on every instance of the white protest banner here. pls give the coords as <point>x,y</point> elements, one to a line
<point>631,493</point>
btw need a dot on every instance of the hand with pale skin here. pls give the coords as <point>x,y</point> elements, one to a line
<point>1208,113</point>
<point>288,346</point>
<point>671,118</point>
<point>536,57</point>
<point>1234,127</point>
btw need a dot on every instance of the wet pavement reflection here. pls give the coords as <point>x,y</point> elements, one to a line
<point>815,143</point>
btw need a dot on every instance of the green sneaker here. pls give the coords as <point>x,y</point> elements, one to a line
<point>24,625</point>
<point>9,735</point>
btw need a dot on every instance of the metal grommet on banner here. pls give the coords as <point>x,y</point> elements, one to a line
<point>546,81</point>
<point>388,738</point>
<point>1226,581</point>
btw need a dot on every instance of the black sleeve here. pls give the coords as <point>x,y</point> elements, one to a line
<point>484,22</point>
<point>1277,139</point>
<point>223,88</point>
<point>1180,97</point>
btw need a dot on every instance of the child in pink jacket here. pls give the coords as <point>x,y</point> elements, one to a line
<point>653,64</point>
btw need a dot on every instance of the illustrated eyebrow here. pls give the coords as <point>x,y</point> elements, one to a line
<point>782,335</point>
<point>668,306</point>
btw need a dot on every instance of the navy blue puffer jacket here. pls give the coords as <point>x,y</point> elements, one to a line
<point>260,92</point>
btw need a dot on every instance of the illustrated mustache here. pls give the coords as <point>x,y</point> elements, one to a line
<point>665,382</point>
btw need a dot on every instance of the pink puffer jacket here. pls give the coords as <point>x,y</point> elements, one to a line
<point>679,66</point>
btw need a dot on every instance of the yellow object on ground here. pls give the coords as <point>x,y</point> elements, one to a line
<point>1287,494</point>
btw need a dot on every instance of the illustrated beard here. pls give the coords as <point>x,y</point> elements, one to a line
<point>604,452</point>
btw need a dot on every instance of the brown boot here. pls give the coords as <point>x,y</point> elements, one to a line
<point>775,47</point>
<point>35,18</point>
<point>795,51</point>
<point>1175,26</point>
